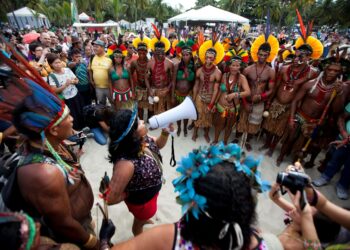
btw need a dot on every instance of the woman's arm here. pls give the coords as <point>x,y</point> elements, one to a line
<point>122,174</point>
<point>162,139</point>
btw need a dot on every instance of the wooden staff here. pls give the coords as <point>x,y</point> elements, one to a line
<point>320,121</point>
<point>104,189</point>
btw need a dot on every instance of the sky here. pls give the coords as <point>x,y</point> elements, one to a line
<point>187,4</point>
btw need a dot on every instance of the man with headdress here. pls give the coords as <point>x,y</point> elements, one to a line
<point>138,70</point>
<point>160,73</point>
<point>48,182</point>
<point>261,80</point>
<point>289,80</point>
<point>206,87</point>
<point>312,103</point>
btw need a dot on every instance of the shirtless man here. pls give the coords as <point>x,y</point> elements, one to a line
<point>312,99</point>
<point>205,90</point>
<point>160,79</point>
<point>138,70</point>
<point>49,183</point>
<point>261,79</point>
<point>289,80</point>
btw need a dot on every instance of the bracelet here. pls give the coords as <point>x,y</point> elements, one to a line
<point>92,241</point>
<point>164,133</point>
<point>314,198</point>
<point>312,245</point>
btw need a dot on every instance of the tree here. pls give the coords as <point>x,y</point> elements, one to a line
<point>202,3</point>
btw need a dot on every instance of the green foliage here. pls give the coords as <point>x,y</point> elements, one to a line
<point>324,12</point>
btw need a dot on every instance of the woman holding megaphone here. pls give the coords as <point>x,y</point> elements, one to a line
<point>137,172</point>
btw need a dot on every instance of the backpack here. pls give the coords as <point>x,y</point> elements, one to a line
<point>54,78</point>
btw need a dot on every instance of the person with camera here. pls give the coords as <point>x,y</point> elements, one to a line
<point>218,203</point>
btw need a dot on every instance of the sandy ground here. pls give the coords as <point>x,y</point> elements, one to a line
<point>270,217</point>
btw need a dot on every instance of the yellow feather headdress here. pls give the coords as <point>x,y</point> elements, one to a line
<point>305,38</point>
<point>139,40</point>
<point>217,46</point>
<point>159,38</point>
<point>260,40</point>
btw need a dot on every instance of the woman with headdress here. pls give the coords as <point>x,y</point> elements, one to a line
<point>122,89</point>
<point>217,191</point>
<point>48,182</point>
<point>137,172</point>
<point>185,73</point>
<point>234,86</point>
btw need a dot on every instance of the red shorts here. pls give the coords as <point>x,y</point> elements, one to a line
<point>144,211</point>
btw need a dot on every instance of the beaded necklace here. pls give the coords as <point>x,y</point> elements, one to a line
<point>141,71</point>
<point>291,77</point>
<point>207,73</point>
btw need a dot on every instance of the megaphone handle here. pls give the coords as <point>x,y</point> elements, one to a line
<point>172,160</point>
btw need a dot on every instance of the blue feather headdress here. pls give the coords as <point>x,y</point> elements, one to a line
<point>40,107</point>
<point>128,128</point>
<point>200,161</point>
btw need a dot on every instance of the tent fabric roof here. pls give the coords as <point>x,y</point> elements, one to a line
<point>84,17</point>
<point>25,11</point>
<point>210,14</point>
<point>110,22</point>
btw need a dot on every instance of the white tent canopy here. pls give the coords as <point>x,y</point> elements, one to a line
<point>183,17</point>
<point>210,14</point>
<point>84,17</point>
<point>27,17</point>
<point>95,25</point>
<point>110,22</point>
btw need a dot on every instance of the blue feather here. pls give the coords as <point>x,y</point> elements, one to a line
<point>268,25</point>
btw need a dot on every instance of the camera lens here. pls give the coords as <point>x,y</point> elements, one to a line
<point>280,177</point>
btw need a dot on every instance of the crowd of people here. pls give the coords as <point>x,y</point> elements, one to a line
<point>289,91</point>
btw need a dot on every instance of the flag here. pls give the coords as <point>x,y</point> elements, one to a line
<point>74,11</point>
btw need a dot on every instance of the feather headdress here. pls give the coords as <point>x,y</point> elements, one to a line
<point>158,38</point>
<point>306,38</point>
<point>111,49</point>
<point>212,44</point>
<point>141,42</point>
<point>28,101</point>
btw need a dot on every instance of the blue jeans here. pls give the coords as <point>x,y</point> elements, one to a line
<point>99,136</point>
<point>340,157</point>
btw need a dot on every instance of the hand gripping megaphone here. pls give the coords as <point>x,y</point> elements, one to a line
<point>186,110</point>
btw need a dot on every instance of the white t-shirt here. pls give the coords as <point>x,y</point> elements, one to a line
<point>69,92</point>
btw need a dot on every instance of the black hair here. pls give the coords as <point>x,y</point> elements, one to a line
<point>33,46</point>
<point>51,57</point>
<point>130,146</point>
<point>76,51</point>
<point>265,47</point>
<point>229,199</point>
<point>211,50</point>
<point>117,51</point>
<point>159,45</point>
<point>305,47</point>
<point>10,235</point>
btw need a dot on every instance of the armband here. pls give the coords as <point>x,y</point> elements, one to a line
<point>263,96</point>
<point>92,241</point>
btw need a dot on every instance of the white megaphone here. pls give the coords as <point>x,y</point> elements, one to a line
<point>186,110</point>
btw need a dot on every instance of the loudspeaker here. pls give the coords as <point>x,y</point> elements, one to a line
<point>186,110</point>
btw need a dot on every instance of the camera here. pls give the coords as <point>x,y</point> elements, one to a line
<point>294,181</point>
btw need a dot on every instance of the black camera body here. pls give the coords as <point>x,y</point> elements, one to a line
<point>294,181</point>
